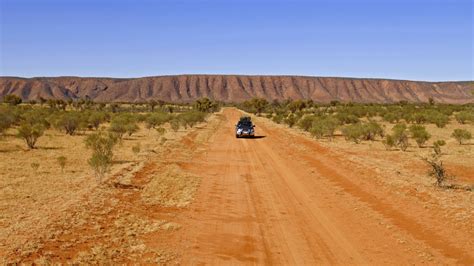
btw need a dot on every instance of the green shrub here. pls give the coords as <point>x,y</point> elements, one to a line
<point>419,133</point>
<point>461,135</point>
<point>389,142</point>
<point>161,131</point>
<point>62,162</point>
<point>306,122</point>
<point>96,118</point>
<point>440,120</point>
<point>464,116</point>
<point>371,129</point>
<point>30,133</point>
<point>353,132</point>
<point>437,146</point>
<point>324,126</point>
<point>122,124</point>
<point>278,118</point>
<point>102,145</point>
<point>157,119</point>
<point>346,118</point>
<point>12,99</point>
<point>136,149</point>
<point>400,136</point>
<point>70,122</point>
<point>291,120</point>
<point>175,124</point>
<point>206,106</point>
<point>191,118</point>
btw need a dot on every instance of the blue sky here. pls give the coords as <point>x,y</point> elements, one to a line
<point>400,39</point>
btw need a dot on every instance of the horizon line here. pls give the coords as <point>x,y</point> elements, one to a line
<point>245,75</point>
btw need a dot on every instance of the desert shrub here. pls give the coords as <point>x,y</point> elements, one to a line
<point>7,118</point>
<point>297,105</point>
<point>362,131</point>
<point>161,131</point>
<point>439,119</point>
<point>62,162</point>
<point>191,118</point>
<point>255,105</point>
<point>102,145</point>
<point>324,126</point>
<point>371,129</point>
<point>353,132</point>
<point>437,146</point>
<point>389,142</point>
<point>461,135</point>
<point>419,133</point>
<point>136,149</point>
<point>419,118</point>
<point>278,118</point>
<point>207,106</point>
<point>35,166</point>
<point>391,117</point>
<point>157,119</point>
<point>30,133</point>
<point>291,120</point>
<point>123,124</point>
<point>437,170</point>
<point>96,118</point>
<point>12,99</point>
<point>306,122</point>
<point>70,122</point>
<point>464,116</point>
<point>347,118</point>
<point>400,136</point>
<point>175,124</point>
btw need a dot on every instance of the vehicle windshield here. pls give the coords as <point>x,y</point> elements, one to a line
<point>244,124</point>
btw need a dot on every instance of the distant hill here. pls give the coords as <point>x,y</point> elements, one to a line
<point>237,88</point>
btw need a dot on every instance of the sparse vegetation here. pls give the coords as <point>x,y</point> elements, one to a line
<point>62,162</point>
<point>30,133</point>
<point>461,135</point>
<point>419,133</point>
<point>102,145</point>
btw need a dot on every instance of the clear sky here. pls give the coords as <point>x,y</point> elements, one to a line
<point>400,39</point>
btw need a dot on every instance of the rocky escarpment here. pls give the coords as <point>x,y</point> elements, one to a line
<point>236,88</point>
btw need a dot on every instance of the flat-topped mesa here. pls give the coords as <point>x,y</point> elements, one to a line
<point>237,88</point>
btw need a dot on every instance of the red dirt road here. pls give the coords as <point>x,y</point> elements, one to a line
<point>284,199</point>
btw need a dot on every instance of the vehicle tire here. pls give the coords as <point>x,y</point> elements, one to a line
<point>237,136</point>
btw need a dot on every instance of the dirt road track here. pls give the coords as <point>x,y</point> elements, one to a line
<point>283,199</point>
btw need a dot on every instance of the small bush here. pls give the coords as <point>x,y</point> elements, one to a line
<point>175,124</point>
<point>291,120</point>
<point>30,133</point>
<point>353,132</point>
<point>464,116</point>
<point>437,146</point>
<point>136,149</point>
<point>12,99</point>
<point>461,135</point>
<point>157,119</point>
<point>400,136</point>
<point>324,126</point>
<point>102,145</point>
<point>62,162</point>
<point>419,133</point>
<point>437,170</point>
<point>389,142</point>
<point>123,124</point>
<point>35,166</point>
<point>70,122</point>
<point>161,131</point>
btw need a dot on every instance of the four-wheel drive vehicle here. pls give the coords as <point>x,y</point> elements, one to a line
<point>244,127</point>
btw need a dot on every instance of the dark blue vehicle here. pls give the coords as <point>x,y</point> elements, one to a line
<point>244,128</point>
